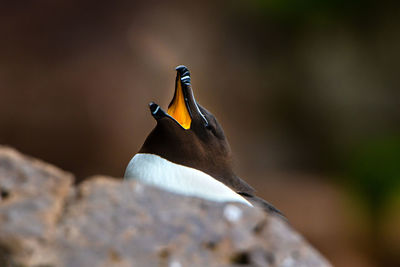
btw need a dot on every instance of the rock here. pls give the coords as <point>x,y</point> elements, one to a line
<point>33,194</point>
<point>45,220</point>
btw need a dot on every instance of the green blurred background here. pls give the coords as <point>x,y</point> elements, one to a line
<point>307,92</point>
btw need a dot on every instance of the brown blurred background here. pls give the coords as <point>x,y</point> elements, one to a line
<point>307,92</point>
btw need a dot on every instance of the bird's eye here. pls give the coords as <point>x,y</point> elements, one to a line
<point>211,128</point>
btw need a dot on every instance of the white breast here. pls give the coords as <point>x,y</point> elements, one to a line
<point>179,179</point>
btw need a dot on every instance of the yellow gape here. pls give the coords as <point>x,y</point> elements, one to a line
<point>178,109</point>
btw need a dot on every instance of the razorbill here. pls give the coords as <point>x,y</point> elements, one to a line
<point>187,152</point>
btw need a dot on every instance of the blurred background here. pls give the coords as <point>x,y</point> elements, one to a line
<point>307,92</point>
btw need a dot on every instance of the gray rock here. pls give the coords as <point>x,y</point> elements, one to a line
<point>46,221</point>
<point>33,194</point>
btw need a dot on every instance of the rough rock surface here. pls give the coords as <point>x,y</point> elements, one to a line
<point>46,221</point>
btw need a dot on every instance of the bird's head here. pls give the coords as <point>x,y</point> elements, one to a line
<point>187,133</point>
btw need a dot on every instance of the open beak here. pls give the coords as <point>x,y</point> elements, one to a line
<point>183,107</point>
<point>179,107</point>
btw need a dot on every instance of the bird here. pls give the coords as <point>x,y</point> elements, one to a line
<point>188,153</point>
